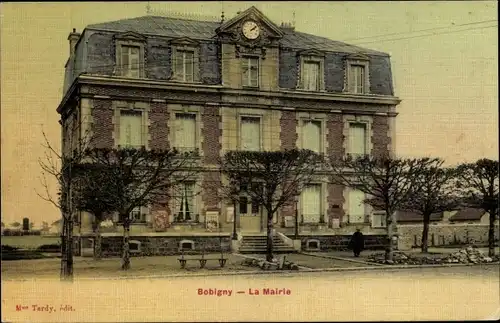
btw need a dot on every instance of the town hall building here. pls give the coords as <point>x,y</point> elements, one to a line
<point>241,84</point>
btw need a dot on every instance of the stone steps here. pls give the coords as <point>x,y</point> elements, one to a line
<point>258,244</point>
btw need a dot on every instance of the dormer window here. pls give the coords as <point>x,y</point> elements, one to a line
<point>357,75</point>
<point>129,55</point>
<point>312,75</point>
<point>184,65</point>
<point>185,61</point>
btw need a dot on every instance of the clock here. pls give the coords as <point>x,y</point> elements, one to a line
<point>251,30</point>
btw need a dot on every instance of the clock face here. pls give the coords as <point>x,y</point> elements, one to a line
<point>251,30</point>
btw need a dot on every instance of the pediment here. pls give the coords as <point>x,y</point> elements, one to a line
<point>311,52</point>
<point>130,35</point>
<point>255,14</point>
<point>358,57</point>
<point>184,41</point>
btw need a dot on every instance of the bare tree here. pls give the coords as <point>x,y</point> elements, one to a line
<point>270,178</point>
<point>387,181</point>
<point>479,185</point>
<point>139,177</point>
<point>60,165</point>
<point>437,193</point>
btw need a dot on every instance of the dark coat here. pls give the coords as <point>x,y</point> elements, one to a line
<point>357,241</point>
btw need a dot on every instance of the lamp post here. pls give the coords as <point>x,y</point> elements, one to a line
<point>296,220</point>
<point>235,235</point>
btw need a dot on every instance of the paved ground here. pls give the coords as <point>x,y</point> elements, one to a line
<point>312,262</point>
<point>457,293</point>
<point>110,267</point>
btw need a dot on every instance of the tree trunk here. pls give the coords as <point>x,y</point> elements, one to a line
<point>64,253</point>
<point>269,251</point>
<point>69,250</point>
<point>126,247</point>
<point>491,234</point>
<point>97,241</point>
<point>391,232</point>
<point>425,234</point>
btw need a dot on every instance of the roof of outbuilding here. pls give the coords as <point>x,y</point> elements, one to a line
<point>195,29</point>
<point>468,214</point>
<point>406,216</point>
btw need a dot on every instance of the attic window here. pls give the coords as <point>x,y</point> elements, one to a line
<point>357,80</point>
<point>129,57</point>
<point>312,72</point>
<point>185,63</point>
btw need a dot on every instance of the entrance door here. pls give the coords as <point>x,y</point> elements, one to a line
<point>250,215</point>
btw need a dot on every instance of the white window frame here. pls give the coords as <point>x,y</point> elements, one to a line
<point>119,70</point>
<point>196,135</point>
<point>322,208</point>
<point>349,152</point>
<point>240,138</point>
<point>182,77</point>
<point>317,59</point>
<point>321,134</point>
<point>366,77</point>
<point>378,219</point>
<point>246,61</point>
<point>143,134</point>
<point>348,202</point>
<point>178,198</point>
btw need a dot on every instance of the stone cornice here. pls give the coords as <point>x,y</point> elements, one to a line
<point>274,97</point>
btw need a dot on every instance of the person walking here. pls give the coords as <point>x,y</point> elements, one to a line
<point>357,242</point>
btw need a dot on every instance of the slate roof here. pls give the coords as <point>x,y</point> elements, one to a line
<point>405,216</point>
<point>204,30</point>
<point>468,214</point>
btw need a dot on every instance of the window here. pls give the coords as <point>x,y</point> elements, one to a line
<point>130,61</point>
<point>250,71</point>
<point>357,139</point>
<point>311,136</point>
<point>311,76</point>
<point>185,131</point>
<point>378,219</point>
<point>137,215</point>
<point>250,206</point>
<point>250,133</point>
<point>311,203</point>
<point>184,203</point>
<point>357,78</point>
<point>131,135</point>
<point>356,206</point>
<point>184,65</point>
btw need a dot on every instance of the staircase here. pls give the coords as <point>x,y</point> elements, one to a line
<point>258,244</point>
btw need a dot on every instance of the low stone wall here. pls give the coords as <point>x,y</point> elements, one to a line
<point>338,242</point>
<point>161,245</point>
<point>442,235</point>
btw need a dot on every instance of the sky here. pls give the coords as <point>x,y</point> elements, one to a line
<point>443,54</point>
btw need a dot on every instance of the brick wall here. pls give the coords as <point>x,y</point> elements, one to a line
<point>158,129</point>
<point>380,138</point>
<point>288,133</point>
<point>102,126</point>
<point>211,134</point>
<point>335,198</point>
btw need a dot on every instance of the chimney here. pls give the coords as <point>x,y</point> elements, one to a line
<point>73,39</point>
<point>287,26</point>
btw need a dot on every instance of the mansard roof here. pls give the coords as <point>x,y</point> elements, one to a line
<point>206,30</point>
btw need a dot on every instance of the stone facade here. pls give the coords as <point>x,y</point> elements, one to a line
<point>219,98</point>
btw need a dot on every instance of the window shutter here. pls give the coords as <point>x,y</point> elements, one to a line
<point>188,66</point>
<point>245,71</point>
<point>179,131</point>
<point>196,66</point>
<point>313,76</point>
<point>250,134</point>
<point>178,64</point>
<point>147,212</point>
<point>118,65</point>
<point>189,129</point>
<point>356,206</point>
<point>352,79</point>
<point>311,203</point>
<point>357,138</point>
<point>134,61</point>
<point>311,138</point>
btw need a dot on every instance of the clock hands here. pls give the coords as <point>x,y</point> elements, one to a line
<point>255,27</point>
